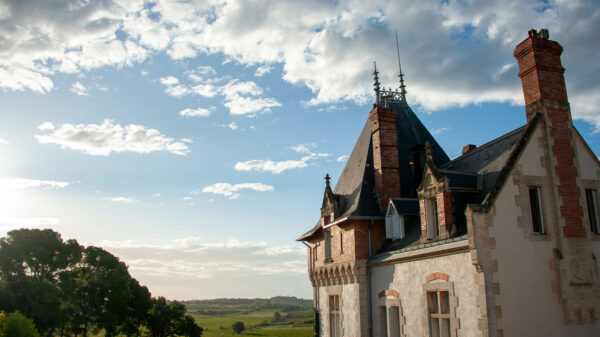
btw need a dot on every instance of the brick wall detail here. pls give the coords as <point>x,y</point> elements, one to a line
<point>389,292</point>
<point>436,276</point>
<point>545,92</point>
<point>385,153</point>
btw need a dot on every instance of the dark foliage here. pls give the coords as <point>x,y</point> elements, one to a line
<point>71,290</point>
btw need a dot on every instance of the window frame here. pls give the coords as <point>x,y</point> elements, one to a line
<point>593,211</point>
<point>327,243</point>
<point>335,316</point>
<point>387,317</point>
<point>432,218</point>
<point>536,211</point>
<point>437,287</point>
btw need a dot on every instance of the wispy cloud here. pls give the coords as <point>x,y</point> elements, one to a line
<point>79,89</point>
<point>439,131</point>
<point>230,191</point>
<point>122,200</point>
<point>261,165</point>
<point>232,125</point>
<point>198,112</point>
<point>23,183</point>
<point>342,159</point>
<point>3,141</point>
<point>262,70</point>
<point>108,137</point>
<point>240,97</point>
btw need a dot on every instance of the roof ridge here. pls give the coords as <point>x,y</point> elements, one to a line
<point>485,145</point>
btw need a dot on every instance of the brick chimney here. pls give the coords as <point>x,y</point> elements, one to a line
<point>468,147</point>
<point>541,74</point>
<point>385,153</point>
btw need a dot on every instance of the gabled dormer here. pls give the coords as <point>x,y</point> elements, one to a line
<point>434,202</point>
<point>331,204</point>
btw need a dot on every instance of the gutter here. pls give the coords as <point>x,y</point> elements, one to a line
<point>356,217</point>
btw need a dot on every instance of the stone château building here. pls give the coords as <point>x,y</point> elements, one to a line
<point>501,241</point>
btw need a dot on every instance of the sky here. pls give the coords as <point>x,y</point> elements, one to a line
<point>191,138</point>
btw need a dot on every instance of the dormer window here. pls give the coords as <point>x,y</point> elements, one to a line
<point>394,224</point>
<point>431,217</point>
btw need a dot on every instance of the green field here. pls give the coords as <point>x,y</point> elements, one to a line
<point>221,326</point>
<point>217,316</point>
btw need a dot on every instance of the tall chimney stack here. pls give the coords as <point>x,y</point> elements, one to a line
<point>541,74</point>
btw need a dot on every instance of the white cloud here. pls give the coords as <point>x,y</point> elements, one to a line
<point>46,126</point>
<point>122,200</point>
<point>260,165</point>
<point>327,47</point>
<point>3,141</point>
<point>79,89</point>
<point>438,131</point>
<point>262,70</point>
<point>269,165</point>
<point>198,112</point>
<point>144,73</point>
<point>301,148</point>
<point>232,125</point>
<point>230,191</point>
<point>22,183</point>
<point>342,159</point>
<point>156,195</point>
<point>241,98</point>
<point>103,139</point>
<point>187,140</point>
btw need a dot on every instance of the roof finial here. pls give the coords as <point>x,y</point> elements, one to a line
<point>327,178</point>
<point>401,75</point>
<point>427,149</point>
<point>376,84</point>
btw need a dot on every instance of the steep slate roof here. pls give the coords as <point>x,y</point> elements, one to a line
<point>487,160</point>
<point>356,185</point>
<point>491,163</point>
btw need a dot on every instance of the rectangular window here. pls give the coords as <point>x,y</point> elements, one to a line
<point>383,322</point>
<point>431,217</point>
<point>335,321</point>
<point>438,305</point>
<point>394,319</point>
<point>327,245</point>
<point>536,210</point>
<point>341,243</point>
<point>315,250</point>
<point>590,196</point>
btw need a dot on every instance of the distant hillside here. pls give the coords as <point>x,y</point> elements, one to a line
<point>227,306</point>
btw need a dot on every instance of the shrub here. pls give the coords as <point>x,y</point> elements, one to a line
<point>238,327</point>
<point>16,325</point>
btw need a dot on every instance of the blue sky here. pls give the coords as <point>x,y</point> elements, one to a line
<point>191,138</point>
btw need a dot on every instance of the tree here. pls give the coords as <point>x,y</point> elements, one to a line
<point>277,316</point>
<point>238,327</point>
<point>16,325</point>
<point>31,261</point>
<point>166,319</point>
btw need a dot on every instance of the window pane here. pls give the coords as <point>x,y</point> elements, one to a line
<point>432,300</point>
<point>383,322</point>
<point>444,302</point>
<point>536,215</point>
<point>327,245</point>
<point>590,196</point>
<point>445,327</point>
<point>434,327</point>
<point>394,318</point>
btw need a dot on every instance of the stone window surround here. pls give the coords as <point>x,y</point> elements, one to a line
<point>389,298</point>
<point>439,284</point>
<point>591,185</point>
<point>547,207</point>
<point>335,290</point>
<point>434,188</point>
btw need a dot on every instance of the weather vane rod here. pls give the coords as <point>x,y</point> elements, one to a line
<point>401,75</point>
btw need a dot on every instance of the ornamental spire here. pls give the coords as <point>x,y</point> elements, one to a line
<point>376,84</point>
<point>400,75</point>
